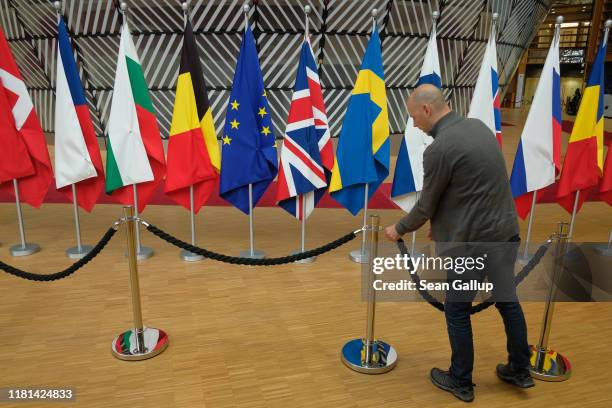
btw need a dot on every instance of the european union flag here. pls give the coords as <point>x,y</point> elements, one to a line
<point>248,151</point>
<point>363,146</point>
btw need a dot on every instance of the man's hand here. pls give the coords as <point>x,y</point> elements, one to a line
<point>391,233</point>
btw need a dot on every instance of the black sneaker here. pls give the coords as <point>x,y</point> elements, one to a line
<point>444,381</point>
<point>520,379</point>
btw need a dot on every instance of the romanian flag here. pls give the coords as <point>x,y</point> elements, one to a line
<point>583,162</point>
<point>135,154</point>
<point>363,146</point>
<point>193,150</point>
<point>23,149</point>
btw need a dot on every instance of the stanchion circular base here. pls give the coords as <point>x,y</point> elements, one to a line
<point>555,367</point>
<point>20,250</point>
<point>190,256</point>
<point>304,261</point>
<point>256,254</point>
<point>124,345</point>
<point>353,356</point>
<point>604,250</point>
<point>76,253</point>
<point>144,253</point>
<point>359,257</point>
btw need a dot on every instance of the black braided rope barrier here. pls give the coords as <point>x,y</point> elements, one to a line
<point>537,257</point>
<point>249,261</point>
<point>66,272</point>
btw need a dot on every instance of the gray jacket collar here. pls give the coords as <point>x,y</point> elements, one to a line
<point>445,121</point>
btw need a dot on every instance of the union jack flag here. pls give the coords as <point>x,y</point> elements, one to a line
<point>307,155</point>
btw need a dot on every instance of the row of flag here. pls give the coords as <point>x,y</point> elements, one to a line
<point>308,166</point>
<point>537,161</point>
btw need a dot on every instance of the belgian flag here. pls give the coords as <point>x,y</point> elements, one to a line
<point>193,150</point>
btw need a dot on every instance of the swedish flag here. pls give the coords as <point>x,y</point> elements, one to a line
<point>363,146</point>
<point>248,151</point>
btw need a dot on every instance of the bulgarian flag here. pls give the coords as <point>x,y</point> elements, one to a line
<point>135,154</point>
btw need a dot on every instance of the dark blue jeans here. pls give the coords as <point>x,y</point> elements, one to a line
<point>500,269</point>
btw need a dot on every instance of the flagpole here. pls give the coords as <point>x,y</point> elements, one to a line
<point>142,252</point>
<point>360,256</point>
<point>252,252</point>
<point>303,196</point>
<point>24,248</point>
<point>525,258</point>
<point>184,254</point>
<point>80,250</point>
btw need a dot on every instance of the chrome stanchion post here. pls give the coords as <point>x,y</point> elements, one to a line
<point>368,355</point>
<point>24,248</point>
<point>547,364</point>
<point>142,252</point>
<point>361,255</point>
<point>79,250</point>
<point>140,342</point>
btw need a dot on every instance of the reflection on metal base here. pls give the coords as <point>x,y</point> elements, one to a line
<point>125,345</point>
<point>144,253</point>
<point>256,254</point>
<point>190,256</point>
<point>76,253</point>
<point>548,365</point>
<point>358,256</point>
<point>304,261</point>
<point>21,250</point>
<point>384,357</point>
<point>604,249</point>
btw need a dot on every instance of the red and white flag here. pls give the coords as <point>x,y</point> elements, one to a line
<point>23,149</point>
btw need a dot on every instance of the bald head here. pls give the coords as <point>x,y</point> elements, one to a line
<point>426,106</point>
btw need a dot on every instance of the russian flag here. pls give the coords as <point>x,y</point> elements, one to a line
<point>485,101</point>
<point>538,157</point>
<point>408,176</point>
<point>77,155</point>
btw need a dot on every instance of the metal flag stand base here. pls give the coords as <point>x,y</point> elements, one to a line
<point>184,254</point>
<point>139,342</point>
<point>368,355</point>
<point>305,260</point>
<point>359,256</point>
<point>190,256</point>
<point>547,364</point>
<point>24,249</point>
<point>78,253</point>
<point>255,254</point>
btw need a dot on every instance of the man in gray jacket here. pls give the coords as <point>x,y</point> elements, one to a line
<point>466,196</point>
